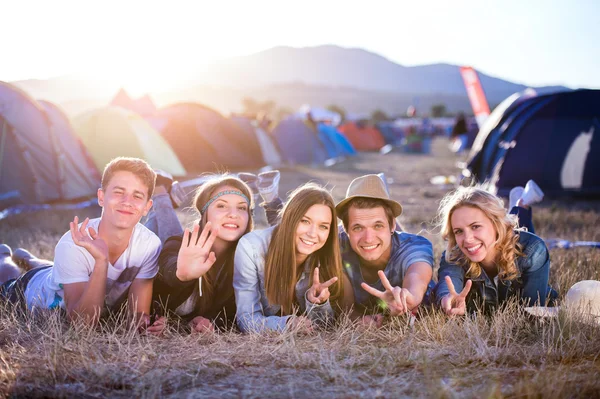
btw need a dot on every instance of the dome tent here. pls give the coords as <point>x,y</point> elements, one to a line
<point>41,158</point>
<point>111,132</point>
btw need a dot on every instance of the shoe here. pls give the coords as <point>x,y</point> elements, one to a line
<point>252,181</point>
<point>268,185</point>
<point>532,194</point>
<point>515,195</point>
<point>5,250</point>
<point>176,192</point>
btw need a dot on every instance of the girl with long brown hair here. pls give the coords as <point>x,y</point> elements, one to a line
<point>291,268</point>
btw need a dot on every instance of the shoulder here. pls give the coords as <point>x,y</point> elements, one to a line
<point>257,237</point>
<point>405,240</point>
<point>143,235</point>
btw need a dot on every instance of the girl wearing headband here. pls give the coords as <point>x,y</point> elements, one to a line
<point>292,268</point>
<point>196,268</point>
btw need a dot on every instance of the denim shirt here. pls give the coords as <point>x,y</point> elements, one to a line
<point>406,250</point>
<point>531,284</point>
<point>254,312</point>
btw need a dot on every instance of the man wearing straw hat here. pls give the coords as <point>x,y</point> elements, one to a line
<point>389,270</point>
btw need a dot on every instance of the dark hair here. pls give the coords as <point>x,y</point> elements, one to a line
<point>367,203</point>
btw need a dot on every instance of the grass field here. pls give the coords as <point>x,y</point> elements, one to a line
<point>509,355</point>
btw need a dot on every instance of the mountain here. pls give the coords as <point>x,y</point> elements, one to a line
<point>355,79</point>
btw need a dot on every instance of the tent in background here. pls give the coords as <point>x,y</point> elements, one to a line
<point>267,148</point>
<point>204,140</point>
<point>362,136</point>
<point>551,139</point>
<point>112,131</point>
<point>298,143</point>
<point>41,159</point>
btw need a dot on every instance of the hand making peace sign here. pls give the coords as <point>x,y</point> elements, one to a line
<point>397,299</point>
<point>319,292</point>
<point>195,257</point>
<point>92,242</point>
<point>455,304</point>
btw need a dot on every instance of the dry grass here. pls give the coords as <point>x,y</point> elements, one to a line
<point>509,355</point>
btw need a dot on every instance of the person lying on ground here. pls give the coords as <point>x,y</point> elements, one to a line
<point>100,264</point>
<point>290,269</point>
<point>195,278</point>
<point>388,271</point>
<point>488,258</point>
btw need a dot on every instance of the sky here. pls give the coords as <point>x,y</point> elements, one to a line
<point>150,45</point>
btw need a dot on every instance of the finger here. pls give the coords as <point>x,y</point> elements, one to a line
<point>212,258</point>
<point>403,295</point>
<point>73,229</point>
<point>92,232</point>
<point>385,281</point>
<point>323,296</point>
<point>446,304</point>
<point>205,231</point>
<point>186,238</point>
<point>465,291</point>
<point>316,281</point>
<point>397,293</point>
<point>194,236</point>
<point>208,243</point>
<point>372,291</point>
<point>457,311</point>
<point>83,227</point>
<point>450,285</point>
<point>329,282</point>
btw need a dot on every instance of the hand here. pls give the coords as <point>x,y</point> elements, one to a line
<point>201,325</point>
<point>397,299</point>
<point>375,320</point>
<point>455,304</point>
<point>156,328</point>
<point>301,324</point>
<point>91,242</point>
<point>195,257</point>
<point>319,292</point>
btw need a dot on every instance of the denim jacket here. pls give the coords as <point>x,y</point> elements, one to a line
<point>530,285</point>
<point>254,312</point>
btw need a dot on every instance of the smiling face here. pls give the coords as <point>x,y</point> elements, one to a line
<point>229,213</point>
<point>312,231</point>
<point>370,235</point>
<point>475,235</point>
<point>124,201</point>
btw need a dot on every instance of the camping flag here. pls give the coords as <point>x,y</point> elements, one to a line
<point>476,95</point>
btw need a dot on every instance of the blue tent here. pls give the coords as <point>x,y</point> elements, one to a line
<point>41,159</point>
<point>298,143</point>
<point>335,143</point>
<point>550,139</point>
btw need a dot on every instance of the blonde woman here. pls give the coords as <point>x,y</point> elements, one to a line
<point>292,268</point>
<point>487,259</point>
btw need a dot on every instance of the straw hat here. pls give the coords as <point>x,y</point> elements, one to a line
<point>583,297</point>
<point>369,186</point>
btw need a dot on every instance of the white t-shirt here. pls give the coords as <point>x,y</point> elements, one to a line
<point>74,264</point>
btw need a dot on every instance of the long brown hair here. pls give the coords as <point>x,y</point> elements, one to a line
<point>281,273</point>
<point>504,224</point>
<point>203,194</point>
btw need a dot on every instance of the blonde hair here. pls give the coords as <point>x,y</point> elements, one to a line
<point>507,242</point>
<point>281,273</point>
<point>203,194</point>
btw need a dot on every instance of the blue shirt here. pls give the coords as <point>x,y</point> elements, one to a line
<point>406,250</point>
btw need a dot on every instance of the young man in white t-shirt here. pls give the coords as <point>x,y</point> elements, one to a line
<point>102,263</point>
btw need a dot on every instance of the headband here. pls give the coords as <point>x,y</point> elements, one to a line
<point>222,193</point>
